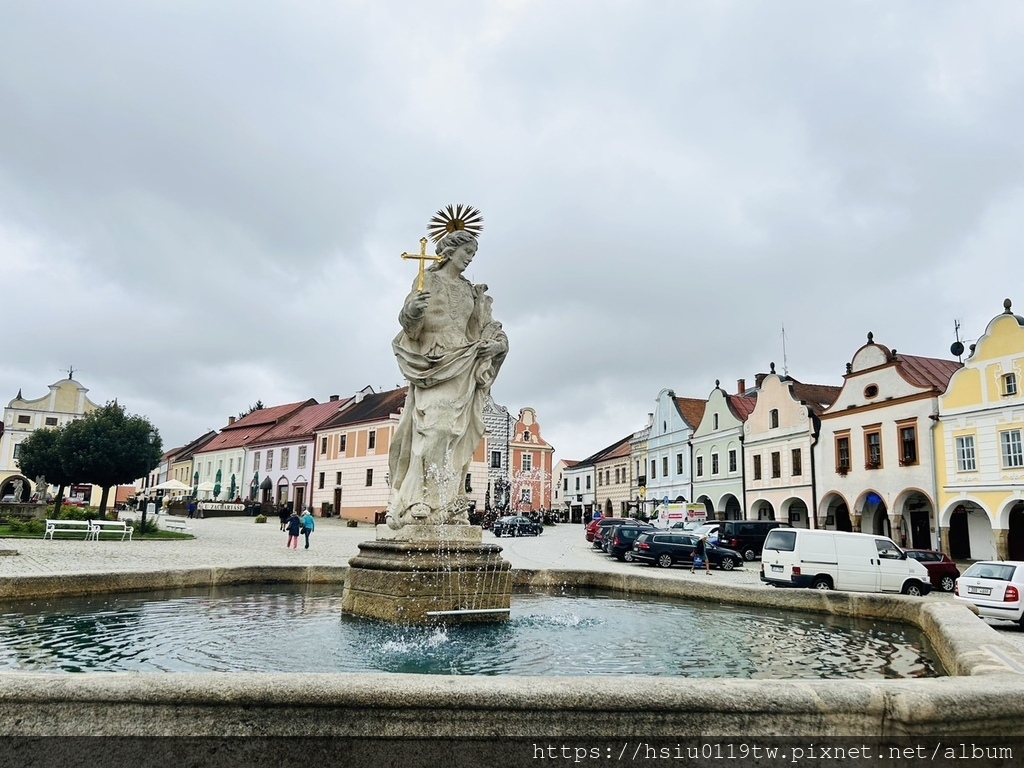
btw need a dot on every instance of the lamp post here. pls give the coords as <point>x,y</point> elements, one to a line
<point>151,438</point>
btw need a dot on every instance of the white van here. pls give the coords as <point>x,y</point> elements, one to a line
<point>856,562</point>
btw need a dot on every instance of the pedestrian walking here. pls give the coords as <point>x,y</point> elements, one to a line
<point>192,508</point>
<point>282,514</point>
<point>700,556</point>
<point>293,525</point>
<point>307,524</point>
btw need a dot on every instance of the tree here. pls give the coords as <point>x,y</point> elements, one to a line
<point>257,407</point>
<point>41,455</point>
<point>109,447</point>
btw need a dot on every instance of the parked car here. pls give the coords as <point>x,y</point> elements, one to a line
<point>516,525</point>
<point>856,562</point>
<point>604,525</point>
<point>707,529</point>
<point>597,522</point>
<point>620,538</point>
<point>747,536</point>
<point>942,571</point>
<point>668,549</point>
<point>994,587</point>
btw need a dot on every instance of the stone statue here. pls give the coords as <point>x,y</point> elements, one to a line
<point>450,350</point>
<point>18,489</point>
<point>41,485</point>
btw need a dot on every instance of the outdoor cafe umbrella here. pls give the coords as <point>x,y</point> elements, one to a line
<point>254,486</point>
<point>171,485</point>
<point>195,484</point>
<point>216,487</point>
<point>234,487</point>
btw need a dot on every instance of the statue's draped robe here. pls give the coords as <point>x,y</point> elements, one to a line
<point>442,423</point>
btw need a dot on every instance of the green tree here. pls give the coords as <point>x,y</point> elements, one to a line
<point>257,407</point>
<point>109,447</point>
<point>42,454</point>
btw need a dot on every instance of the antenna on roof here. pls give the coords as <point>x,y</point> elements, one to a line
<point>957,347</point>
<point>785,363</point>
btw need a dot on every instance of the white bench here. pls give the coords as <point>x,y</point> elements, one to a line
<point>69,526</point>
<point>175,524</point>
<point>113,526</point>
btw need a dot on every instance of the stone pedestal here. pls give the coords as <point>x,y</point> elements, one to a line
<point>429,573</point>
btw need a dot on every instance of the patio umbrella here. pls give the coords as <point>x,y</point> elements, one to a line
<point>254,486</point>
<point>216,486</point>
<point>195,484</point>
<point>172,485</point>
<point>234,487</point>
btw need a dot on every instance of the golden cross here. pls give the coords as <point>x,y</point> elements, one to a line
<point>422,256</point>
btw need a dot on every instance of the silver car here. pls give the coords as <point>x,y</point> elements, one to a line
<point>995,588</point>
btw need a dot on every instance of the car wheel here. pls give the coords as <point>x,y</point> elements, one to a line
<point>947,583</point>
<point>727,564</point>
<point>621,557</point>
<point>665,560</point>
<point>749,554</point>
<point>821,582</point>
<point>628,557</point>
<point>913,588</point>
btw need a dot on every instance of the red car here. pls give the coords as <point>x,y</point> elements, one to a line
<point>942,571</point>
<point>600,522</point>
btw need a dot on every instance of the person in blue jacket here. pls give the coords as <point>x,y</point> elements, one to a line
<point>293,525</point>
<point>307,524</point>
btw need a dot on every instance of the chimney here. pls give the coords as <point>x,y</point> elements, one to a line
<point>741,386</point>
<point>359,396</point>
<point>335,398</point>
<point>231,420</point>
<point>650,419</point>
<point>759,379</point>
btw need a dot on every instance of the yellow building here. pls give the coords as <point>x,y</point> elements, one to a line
<point>979,455</point>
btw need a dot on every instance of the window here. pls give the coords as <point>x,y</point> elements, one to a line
<point>714,421</point>
<point>256,460</point>
<point>24,419</point>
<point>773,418</point>
<point>843,454</point>
<point>565,485</point>
<point>469,483</point>
<point>369,477</point>
<point>231,465</point>
<point>798,464</point>
<point>337,478</point>
<point>664,466</point>
<point>1013,455</point>
<point>527,496</point>
<point>616,475</point>
<point>607,477</point>
<point>527,462</point>
<point>714,463</point>
<point>17,450</point>
<point>495,459</point>
<point>679,463</point>
<point>301,459</point>
<point>700,466</point>
<point>600,479</point>
<point>577,484</point>
<point>965,458</point>
<point>320,482</point>
<point>1009,385</point>
<point>757,467</point>
<point>732,460</point>
<point>342,443</point>
<point>873,449</point>
<point>654,469</point>
<point>285,457</point>
<point>323,445</point>
<point>870,391</point>
<point>588,482</point>
<point>51,421</point>
<point>908,445</point>
<point>526,436</point>
<point>270,460</point>
<point>776,464</point>
<point>372,440</point>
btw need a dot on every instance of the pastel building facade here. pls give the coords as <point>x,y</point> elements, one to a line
<point>979,446</point>
<point>669,452</point>
<point>532,462</point>
<point>718,453</point>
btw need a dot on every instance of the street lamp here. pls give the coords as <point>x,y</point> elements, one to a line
<point>151,438</point>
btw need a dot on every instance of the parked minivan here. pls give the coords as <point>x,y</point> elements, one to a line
<point>747,536</point>
<point>856,562</point>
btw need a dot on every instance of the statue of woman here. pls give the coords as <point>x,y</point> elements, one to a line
<point>450,350</point>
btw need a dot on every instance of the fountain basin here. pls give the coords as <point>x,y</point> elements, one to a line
<point>984,694</point>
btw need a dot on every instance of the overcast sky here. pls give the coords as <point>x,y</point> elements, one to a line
<point>203,204</point>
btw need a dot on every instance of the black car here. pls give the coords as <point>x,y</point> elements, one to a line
<point>747,536</point>
<point>516,525</point>
<point>618,541</point>
<point>604,525</point>
<point>668,549</point>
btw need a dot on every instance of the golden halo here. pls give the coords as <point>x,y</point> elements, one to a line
<point>453,219</point>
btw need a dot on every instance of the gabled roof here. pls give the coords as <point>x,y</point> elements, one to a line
<point>741,405</point>
<point>817,397</point>
<point>932,372</point>
<point>185,452</point>
<point>303,424</point>
<point>376,406</point>
<point>692,410</point>
<point>606,452</point>
<point>252,426</point>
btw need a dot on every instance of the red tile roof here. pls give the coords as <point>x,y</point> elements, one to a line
<point>251,426</point>
<point>817,397</point>
<point>605,452</point>
<point>302,425</point>
<point>741,405</point>
<point>692,410</point>
<point>375,406</point>
<point>930,372</point>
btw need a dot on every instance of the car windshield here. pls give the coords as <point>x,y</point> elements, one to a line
<point>996,571</point>
<point>706,530</point>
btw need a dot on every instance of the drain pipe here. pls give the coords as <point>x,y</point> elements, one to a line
<point>815,434</point>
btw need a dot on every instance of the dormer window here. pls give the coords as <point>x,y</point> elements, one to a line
<point>526,436</point>
<point>773,418</point>
<point>1010,384</point>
